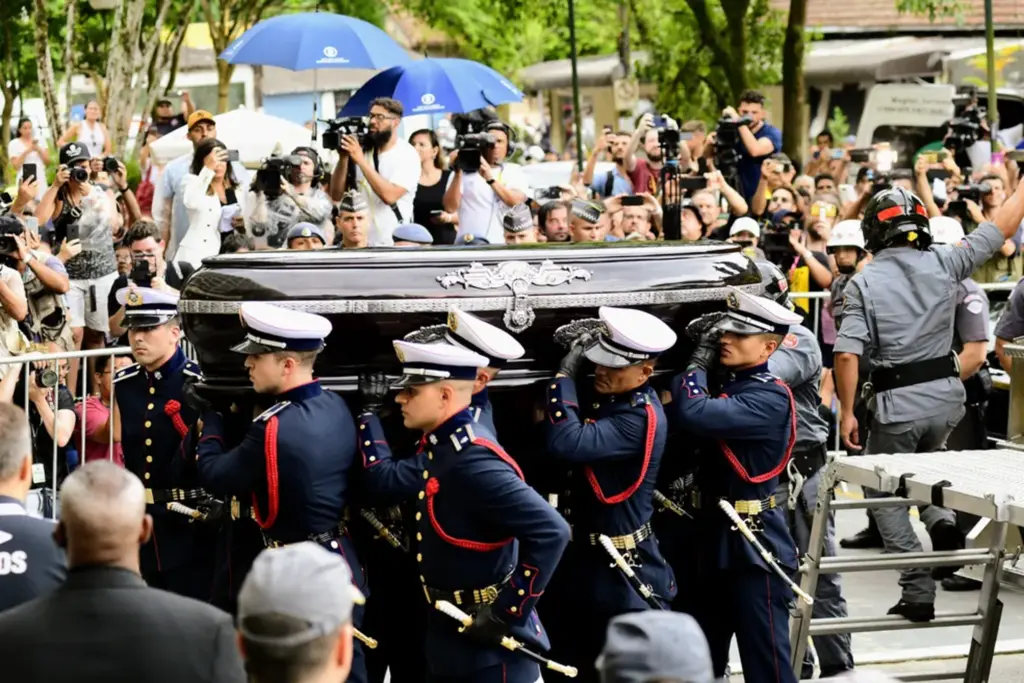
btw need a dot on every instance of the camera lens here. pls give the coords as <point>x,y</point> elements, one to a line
<point>79,174</point>
<point>46,379</point>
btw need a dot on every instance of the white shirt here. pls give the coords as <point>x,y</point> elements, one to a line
<point>205,214</point>
<point>481,209</point>
<point>16,148</point>
<point>399,165</point>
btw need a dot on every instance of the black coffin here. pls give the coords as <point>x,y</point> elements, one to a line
<point>374,296</point>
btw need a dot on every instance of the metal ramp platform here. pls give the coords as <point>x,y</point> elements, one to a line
<point>989,484</point>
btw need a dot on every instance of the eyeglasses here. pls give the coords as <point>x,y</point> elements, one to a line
<point>381,117</point>
<point>824,210</point>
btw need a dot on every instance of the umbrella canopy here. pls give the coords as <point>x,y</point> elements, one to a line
<point>316,40</point>
<point>436,86</point>
<point>255,136</point>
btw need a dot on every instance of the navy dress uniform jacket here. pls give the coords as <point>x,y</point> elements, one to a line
<point>478,525</point>
<point>293,464</point>
<point>154,421</point>
<point>615,460</point>
<point>483,411</point>
<point>754,423</point>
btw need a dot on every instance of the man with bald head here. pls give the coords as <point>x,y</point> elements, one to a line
<point>104,624</point>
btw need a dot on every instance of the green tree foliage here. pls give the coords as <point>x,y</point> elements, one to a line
<point>17,66</point>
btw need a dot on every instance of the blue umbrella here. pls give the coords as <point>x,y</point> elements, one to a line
<point>316,40</point>
<point>435,86</point>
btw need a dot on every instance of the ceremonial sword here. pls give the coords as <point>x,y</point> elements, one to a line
<point>642,588</point>
<point>383,531</point>
<point>669,504</point>
<point>769,559</point>
<point>507,642</point>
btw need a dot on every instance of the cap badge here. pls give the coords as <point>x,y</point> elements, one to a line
<point>399,353</point>
<point>467,238</point>
<point>732,301</point>
<point>73,149</point>
<point>306,232</point>
<point>453,321</point>
<point>134,298</point>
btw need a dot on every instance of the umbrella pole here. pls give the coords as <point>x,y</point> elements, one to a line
<point>577,115</point>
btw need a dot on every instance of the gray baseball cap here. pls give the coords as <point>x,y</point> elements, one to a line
<point>303,581</point>
<point>646,646</point>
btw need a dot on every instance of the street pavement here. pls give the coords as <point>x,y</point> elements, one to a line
<point>872,593</point>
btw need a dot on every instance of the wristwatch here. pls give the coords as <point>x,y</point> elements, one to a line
<point>491,181</point>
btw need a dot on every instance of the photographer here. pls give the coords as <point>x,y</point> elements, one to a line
<point>82,211</point>
<point>387,171</point>
<point>757,139</point>
<point>51,417</point>
<point>776,173</point>
<point>639,213</point>
<point>46,282</point>
<point>709,203</point>
<point>13,303</point>
<point>149,269</point>
<point>621,147</point>
<point>481,197</point>
<point>286,191</point>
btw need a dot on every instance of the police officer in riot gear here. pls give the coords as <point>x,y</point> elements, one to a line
<point>797,362</point>
<point>900,312</point>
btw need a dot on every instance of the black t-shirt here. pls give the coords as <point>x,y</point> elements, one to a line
<point>165,126</point>
<point>431,198</point>
<point>32,563</point>
<point>175,275</point>
<point>42,444</point>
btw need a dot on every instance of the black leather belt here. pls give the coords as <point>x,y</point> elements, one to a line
<point>887,379</point>
<point>330,537</point>
<point>807,462</point>
<point>467,596</point>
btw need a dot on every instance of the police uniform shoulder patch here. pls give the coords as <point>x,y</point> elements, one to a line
<point>638,398</point>
<point>192,369</point>
<point>975,303</point>
<point>125,373</point>
<point>272,411</point>
<point>790,341</point>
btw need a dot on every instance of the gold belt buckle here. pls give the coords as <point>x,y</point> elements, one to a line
<point>236,509</point>
<point>486,596</point>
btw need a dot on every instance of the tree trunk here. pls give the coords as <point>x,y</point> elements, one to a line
<point>224,73</point>
<point>257,86</point>
<point>161,60</point>
<point>69,54</point>
<point>45,67</point>
<point>794,133</point>
<point>9,87</point>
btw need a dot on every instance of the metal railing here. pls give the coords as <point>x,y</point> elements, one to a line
<point>32,362</point>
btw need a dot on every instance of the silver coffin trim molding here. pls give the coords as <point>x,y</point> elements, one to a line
<point>487,303</point>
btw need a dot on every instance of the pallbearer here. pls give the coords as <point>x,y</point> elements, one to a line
<point>488,543</point>
<point>293,466</point>
<point>750,429</point>
<point>615,448</point>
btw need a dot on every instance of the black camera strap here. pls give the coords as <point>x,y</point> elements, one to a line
<point>376,167</point>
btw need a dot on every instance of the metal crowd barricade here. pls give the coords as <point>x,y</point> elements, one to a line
<point>29,362</point>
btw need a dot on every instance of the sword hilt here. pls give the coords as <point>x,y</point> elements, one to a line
<point>382,529</point>
<point>507,642</point>
<point>185,510</point>
<point>669,504</point>
<point>365,639</point>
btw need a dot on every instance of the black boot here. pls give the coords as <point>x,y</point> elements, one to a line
<point>914,611</point>
<point>865,538</point>
<point>960,584</point>
<point>945,536</point>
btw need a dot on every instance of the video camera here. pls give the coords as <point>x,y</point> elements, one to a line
<point>973,191</point>
<point>727,141</point>
<point>338,128</point>
<point>268,177</point>
<point>472,138</point>
<point>774,240</point>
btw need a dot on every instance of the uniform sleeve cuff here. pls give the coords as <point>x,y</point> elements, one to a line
<point>371,440</point>
<point>693,384</point>
<point>518,597</point>
<point>561,396</point>
<point>847,345</point>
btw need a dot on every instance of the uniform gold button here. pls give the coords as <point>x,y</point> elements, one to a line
<point>423,579</point>
<point>147,475</point>
<point>419,516</point>
<point>554,400</point>
<point>558,413</point>
<point>522,592</point>
<point>419,557</point>
<point>152,390</point>
<point>513,609</point>
<point>149,442</point>
<point>149,407</point>
<point>149,458</point>
<point>553,386</point>
<point>372,459</point>
<point>422,494</point>
<point>148,423</point>
<point>366,443</point>
<point>419,536</point>
<point>430,456</point>
<point>362,426</point>
<point>526,573</point>
<point>334,544</point>
<point>426,474</point>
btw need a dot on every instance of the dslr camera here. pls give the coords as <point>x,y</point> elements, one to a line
<point>79,174</point>
<point>268,177</point>
<point>9,228</point>
<point>973,192</point>
<point>338,128</point>
<point>471,140</point>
